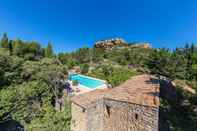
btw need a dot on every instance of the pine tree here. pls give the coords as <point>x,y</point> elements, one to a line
<point>10,47</point>
<point>49,50</point>
<point>18,47</point>
<point>4,41</point>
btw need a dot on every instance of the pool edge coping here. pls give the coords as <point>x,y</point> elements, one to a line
<point>104,85</point>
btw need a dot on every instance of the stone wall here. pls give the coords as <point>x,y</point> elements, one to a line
<point>95,117</point>
<point>110,115</point>
<point>123,116</point>
<point>78,122</point>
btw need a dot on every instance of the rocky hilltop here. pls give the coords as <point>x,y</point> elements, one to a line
<point>118,42</point>
<point>140,45</point>
<point>110,43</point>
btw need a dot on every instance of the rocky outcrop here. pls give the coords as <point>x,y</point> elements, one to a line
<point>140,45</point>
<point>120,43</point>
<point>109,44</point>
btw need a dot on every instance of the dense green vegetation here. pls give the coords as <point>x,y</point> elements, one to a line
<point>30,83</point>
<point>32,80</point>
<point>179,114</point>
<point>118,65</point>
<point>114,75</point>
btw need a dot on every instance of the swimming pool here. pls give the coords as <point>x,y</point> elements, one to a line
<point>86,81</point>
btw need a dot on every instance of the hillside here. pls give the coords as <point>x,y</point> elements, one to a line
<point>32,80</point>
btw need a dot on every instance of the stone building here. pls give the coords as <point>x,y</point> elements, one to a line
<point>132,106</point>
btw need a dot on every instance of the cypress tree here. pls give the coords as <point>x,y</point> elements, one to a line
<point>4,41</point>
<point>10,47</point>
<point>49,50</point>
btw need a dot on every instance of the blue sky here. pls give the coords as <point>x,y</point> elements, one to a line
<point>70,24</point>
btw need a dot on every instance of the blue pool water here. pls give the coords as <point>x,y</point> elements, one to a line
<point>86,81</point>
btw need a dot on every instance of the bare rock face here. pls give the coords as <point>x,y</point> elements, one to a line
<point>118,42</point>
<point>108,44</point>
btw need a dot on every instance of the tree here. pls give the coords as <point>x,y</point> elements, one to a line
<point>97,54</point>
<point>83,55</point>
<point>10,70</point>
<point>18,47</point>
<point>49,51</point>
<point>32,51</point>
<point>64,57</point>
<point>5,41</point>
<point>32,100</point>
<point>114,75</point>
<point>84,68</point>
<point>165,63</point>
<point>10,47</point>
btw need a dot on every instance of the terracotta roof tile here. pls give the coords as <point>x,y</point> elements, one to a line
<point>142,89</point>
<point>90,97</point>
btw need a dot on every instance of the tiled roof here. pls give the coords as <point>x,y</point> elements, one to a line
<point>142,89</point>
<point>90,97</point>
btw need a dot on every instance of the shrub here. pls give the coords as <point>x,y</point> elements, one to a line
<point>114,75</point>
<point>75,83</point>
